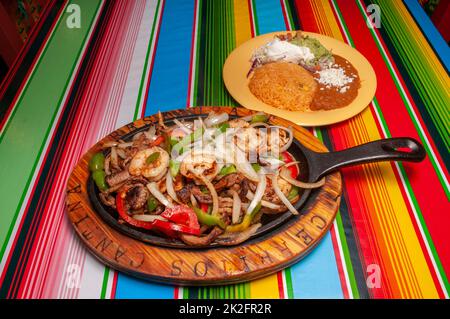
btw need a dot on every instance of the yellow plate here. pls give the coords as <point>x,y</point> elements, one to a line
<point>238,64</point>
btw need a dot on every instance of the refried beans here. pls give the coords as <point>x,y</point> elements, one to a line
<point>328,97</point>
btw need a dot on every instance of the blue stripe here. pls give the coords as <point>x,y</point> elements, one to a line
<point>170,77</point>
<point>317,275</point>
<point>168,90</point>
<point>269,16</point>
<point>429,30</point>
<point>133,288</point>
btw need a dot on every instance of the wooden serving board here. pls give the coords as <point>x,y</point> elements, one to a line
<point>253,259</point>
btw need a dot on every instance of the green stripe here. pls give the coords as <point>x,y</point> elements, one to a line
<point>28,129</point>
<point>105,283</point>
<point>289,13</point>
<point>289,287</point>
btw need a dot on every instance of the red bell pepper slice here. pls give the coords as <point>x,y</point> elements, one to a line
<point>158,140</point>
<point>287,158</point>
<point>182,215</point>
<point>166,227</point>
<point>204,207</point>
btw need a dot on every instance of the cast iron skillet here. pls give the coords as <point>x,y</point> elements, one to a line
<point>313,166</point>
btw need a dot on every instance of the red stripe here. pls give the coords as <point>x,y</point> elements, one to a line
<point>280,285</point>
<point>305,12</point>
<point>176,293</point>
<point>339,262</point>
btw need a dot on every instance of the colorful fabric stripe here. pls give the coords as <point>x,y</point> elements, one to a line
<point>133,58</point>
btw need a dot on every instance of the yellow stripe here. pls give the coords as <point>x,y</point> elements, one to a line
<point>265,288</point>
<point>397,230</point>
<point>241,21</point>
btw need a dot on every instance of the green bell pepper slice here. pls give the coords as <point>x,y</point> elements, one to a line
<point>97,162</point>
<point>99,178</point>
<point>207,219</point>
<point>246,221</point>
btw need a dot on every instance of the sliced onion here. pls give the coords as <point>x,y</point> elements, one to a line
<point>125,145</point>
<point>183,127</point>
<point>235,238</point>
<point>286,175</point>
<point>169,187</point>
<point>193,201</point>
<point>135,137</point>
<point>215,119</point>
<point>236,207</point>
<point>106,165</point>
<point>281,196</point>
<point>148,218</point>
<point>110,144</point>
<point>150,134</point>
<point>260,189</point>
<point>264,203</point>
<point>158,195</point>
<point>121,153</point>
<point>212,191</point>
<point>114,157</point>
<point>244,166</point>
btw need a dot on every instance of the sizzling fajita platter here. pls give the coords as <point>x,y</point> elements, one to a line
<point>211,195</point>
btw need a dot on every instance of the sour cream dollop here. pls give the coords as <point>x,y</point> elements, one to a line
<point>277,50</point>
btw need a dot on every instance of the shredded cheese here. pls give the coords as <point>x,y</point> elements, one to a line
<point>334,76</point>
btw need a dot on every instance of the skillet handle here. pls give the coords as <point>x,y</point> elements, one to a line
<point>391,149</point>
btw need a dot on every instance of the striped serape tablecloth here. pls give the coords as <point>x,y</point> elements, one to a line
<point>127,59</point>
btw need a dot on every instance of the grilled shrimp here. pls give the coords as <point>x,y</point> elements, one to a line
<point>153,170</point>
<point>202,162</point>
